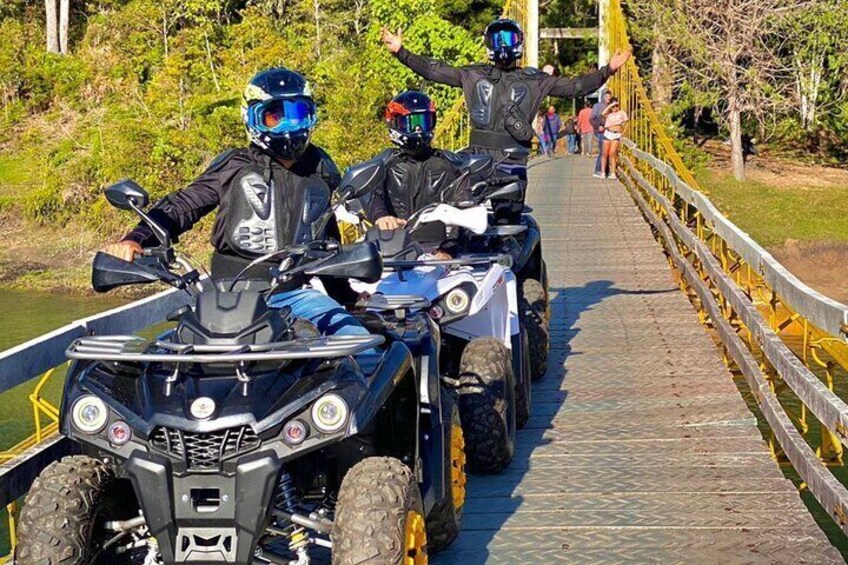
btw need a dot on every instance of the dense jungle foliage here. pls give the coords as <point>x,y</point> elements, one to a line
<point>151,89</point>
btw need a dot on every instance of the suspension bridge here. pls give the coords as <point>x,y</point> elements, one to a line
<point>688,413</point>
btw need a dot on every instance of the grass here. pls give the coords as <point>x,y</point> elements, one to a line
<point>800,209</point>
<point>15,175</point>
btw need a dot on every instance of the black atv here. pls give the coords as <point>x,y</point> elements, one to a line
<point>243,436</point>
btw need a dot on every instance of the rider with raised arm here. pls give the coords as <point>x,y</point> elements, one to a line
<point>268,196</point>
<point>502,97</point>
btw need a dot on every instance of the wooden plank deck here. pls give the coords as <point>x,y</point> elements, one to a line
<point>640,447</point>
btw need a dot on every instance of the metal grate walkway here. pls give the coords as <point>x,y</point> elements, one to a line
<point>640,447</point>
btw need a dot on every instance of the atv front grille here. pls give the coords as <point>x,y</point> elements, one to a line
<point>204,451</point>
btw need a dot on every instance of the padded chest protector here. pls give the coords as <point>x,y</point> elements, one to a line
<point>412,185</point>
<point>263,218</point>
<point>497,91</point>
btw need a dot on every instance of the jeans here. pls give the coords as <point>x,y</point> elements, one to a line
<point>600,138</point>
<point>543,144</point>
<point>572,143</point>
<point>325,313</point>
<point>586,143</point>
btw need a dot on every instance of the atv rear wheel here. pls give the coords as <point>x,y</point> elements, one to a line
<point>487,405</point>
<point>523,392</point>
<point>64,510</point>
<point>379,516</point>
<point>536,323</point>
<point>444,520</point>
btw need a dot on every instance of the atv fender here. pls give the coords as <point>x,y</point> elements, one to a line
<point>394,368</point>
<point>528,264</point>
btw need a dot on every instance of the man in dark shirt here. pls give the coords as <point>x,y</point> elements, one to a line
<point>597,120</point>
<point>268,196</point>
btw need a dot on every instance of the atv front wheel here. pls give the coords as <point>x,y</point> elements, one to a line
<point>487,405</point>
<point>379,516</point>
<point>445,519</point>
<point>64,510</point>
<point>536,323</point>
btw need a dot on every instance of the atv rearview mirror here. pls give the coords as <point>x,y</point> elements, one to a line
<point>506,192</point>
<point>478,165</point>
<point>360,261</point>
<point>110,272</point>
<point>126,195</point>
<point>361,179</point>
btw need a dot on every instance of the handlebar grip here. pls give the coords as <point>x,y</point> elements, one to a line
<point>500,181</point>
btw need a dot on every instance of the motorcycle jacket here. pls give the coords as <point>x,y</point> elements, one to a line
<point>412,182</point>
<point>262,206</point>
<point>501,102</point>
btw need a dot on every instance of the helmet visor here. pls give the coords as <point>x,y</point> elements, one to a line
<point>423,122</point>
<point>285,115</point>
<point>505,38</point>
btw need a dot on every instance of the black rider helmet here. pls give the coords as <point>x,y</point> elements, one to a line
<point>279,112</point>
<point>504,41</point>
<point>411,117</point>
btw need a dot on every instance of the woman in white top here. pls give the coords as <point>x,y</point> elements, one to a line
<point>615,120</point>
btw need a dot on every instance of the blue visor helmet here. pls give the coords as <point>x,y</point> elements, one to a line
<point>504,41</point>
<point>279,112</point>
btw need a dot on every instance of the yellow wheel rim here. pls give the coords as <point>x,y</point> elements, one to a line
<point>415,540</point>
<point>458,477</point>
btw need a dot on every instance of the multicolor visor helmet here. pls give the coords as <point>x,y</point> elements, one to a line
<point>411,117</point>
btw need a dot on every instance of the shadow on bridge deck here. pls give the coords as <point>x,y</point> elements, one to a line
<point>639,447</point>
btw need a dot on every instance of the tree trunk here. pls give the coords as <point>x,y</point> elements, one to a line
<point>52,26</point>
<point>737,157</point>
<point>662,74</point>
<point>316,6</point>
<point>64,19</point>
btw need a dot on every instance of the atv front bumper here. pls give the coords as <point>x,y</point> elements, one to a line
<point>207,518</point>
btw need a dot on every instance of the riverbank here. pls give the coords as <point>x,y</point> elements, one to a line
<point>795,210</point>
<point>57,259</point>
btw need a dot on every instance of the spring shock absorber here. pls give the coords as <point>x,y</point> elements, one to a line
<point>298,535</point>
<point>286,498</point>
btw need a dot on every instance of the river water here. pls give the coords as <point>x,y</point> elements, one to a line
<point>26,315</point>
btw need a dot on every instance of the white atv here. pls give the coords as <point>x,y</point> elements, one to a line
<point>473,300</point>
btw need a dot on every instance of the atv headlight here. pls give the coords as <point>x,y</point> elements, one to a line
<point>329,413</point>
<point>457,301</point>
<point>90,414</point>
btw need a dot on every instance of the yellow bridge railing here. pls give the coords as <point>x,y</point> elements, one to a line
<point>788,341</point>
<point>454,128</point>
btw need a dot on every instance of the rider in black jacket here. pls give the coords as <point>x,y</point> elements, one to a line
<point>416,172</point>
<point>268,196</point>
<point>502,98</point>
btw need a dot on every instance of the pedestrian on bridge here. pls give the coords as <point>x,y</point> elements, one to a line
<point>615,120</point>
<point>597,119</point>
<point>585,129</point>
<point>502,98</point>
